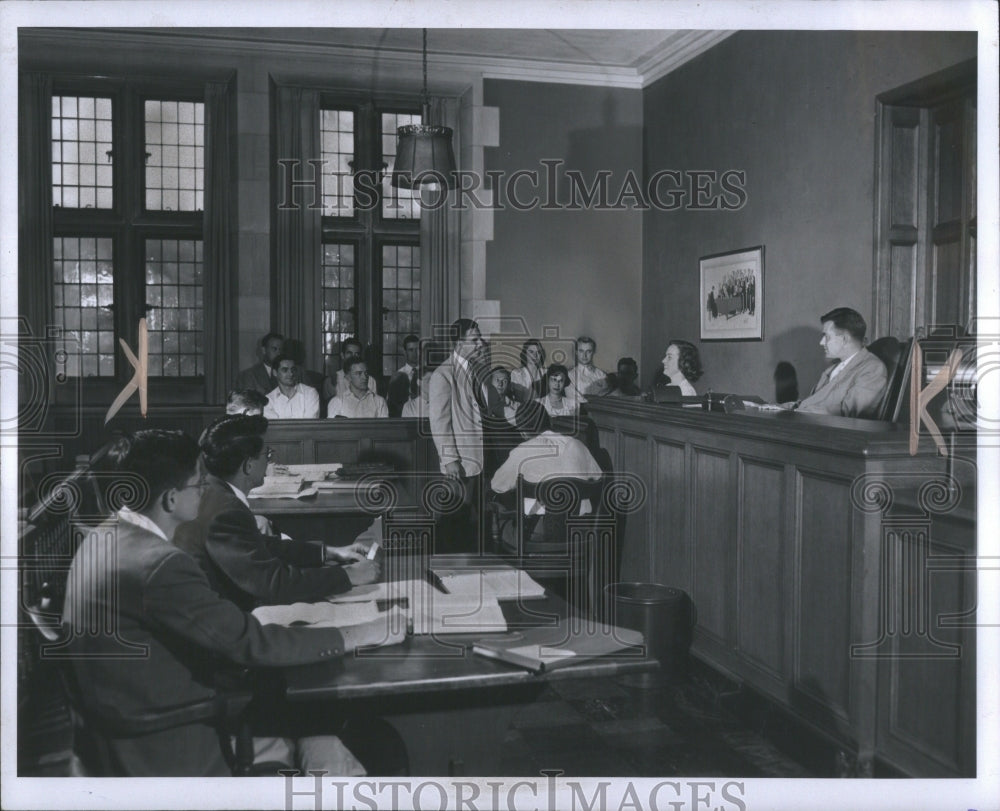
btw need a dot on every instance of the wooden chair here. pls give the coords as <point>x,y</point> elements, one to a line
<point>573,555</point>
<point>48,541</point>
<point>895,355</point>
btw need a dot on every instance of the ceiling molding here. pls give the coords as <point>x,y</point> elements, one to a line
<point>444,68</point>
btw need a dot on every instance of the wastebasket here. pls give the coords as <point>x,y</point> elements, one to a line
<point>665,616</point>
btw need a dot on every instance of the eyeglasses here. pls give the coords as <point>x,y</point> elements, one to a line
<point>200,485</point>
<point>268,452</point>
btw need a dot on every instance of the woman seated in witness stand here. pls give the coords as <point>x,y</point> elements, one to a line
<point>526,381</point>
<point>683,366</point>
<point>557,401</point>
<point>626,380</point>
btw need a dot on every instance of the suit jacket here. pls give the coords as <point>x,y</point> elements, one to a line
<point>145,625</point>
<point>455,417</point>
<point>855,392</point>
<point>251,568</point>
<point>256,378</point>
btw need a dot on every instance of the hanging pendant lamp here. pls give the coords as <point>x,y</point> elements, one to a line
<point>424,155</point>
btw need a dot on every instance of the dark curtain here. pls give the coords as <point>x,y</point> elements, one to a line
<point>34,197</point>
<point>440,241</point>
<point>297,233</point>
<point>220,239</point>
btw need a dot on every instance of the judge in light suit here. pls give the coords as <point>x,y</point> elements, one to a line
<point>457,428</point>
<point>854,386</point>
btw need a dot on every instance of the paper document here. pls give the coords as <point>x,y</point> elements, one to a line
<point>505,583</point>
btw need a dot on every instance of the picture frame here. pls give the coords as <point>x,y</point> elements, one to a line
<point>731,295</point>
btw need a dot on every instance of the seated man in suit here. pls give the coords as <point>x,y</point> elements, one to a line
<point>262,377</point>
<point>167,623</point>
<point>242,563</point>
<point>854,386</point>
<point>291,399</point>
<point>357,399</point>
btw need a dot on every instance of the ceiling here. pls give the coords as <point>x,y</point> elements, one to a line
<point>619,57</point>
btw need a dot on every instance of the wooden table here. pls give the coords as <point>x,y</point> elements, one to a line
<point>451,706</point>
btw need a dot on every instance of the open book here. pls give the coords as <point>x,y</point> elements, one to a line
<point>569,642</point>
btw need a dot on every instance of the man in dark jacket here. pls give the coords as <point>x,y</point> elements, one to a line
<point>242,563</point>
<point>162,623</point>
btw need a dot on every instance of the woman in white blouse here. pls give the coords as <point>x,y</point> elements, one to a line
<point>558,401</point>
<point>526,381</point>
<point>683,366</point>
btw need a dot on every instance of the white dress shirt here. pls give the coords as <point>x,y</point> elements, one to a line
<point>303,404</point>
<point>350,405</point>
<point>589,380</point>
<point>140,520</point>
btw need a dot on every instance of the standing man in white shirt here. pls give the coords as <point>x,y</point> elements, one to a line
<point>358,400</point>
<point>585,378</point>
<point>291,400</point>
<point>456,423</point>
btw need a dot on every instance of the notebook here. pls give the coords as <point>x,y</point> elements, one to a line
<point>547,648</point>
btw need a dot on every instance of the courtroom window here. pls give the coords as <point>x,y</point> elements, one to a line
<point>128,184</point>
<point>370,274</point>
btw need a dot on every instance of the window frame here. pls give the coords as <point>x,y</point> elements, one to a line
<point>128,224</point>
<point>369,230</point>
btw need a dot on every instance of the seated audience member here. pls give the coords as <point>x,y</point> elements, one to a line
<point>852,387</point>
<point>242,563</point>
<point>164,606</point>
<point>786,383</point>
<point>349,348</point>
<point>586,378</point>
<point>249,402</point>
<point>356,399</point>
<point>559,400</point>
<point>527,380</point>
<point>683,366</point>
<point>291,399</point>
<point>405,379</point>
<point>262,376</point>
<point>628,374</point>
<point>544,454</point>
<point>418,404</point>
<point>499,415</point>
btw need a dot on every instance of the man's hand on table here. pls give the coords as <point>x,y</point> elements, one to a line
<point>387,629</point>
<point>345,554</point>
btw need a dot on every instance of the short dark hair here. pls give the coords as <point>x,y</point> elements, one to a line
<point>351,339</point>
<point>271,336</point>
<point>846,320</point>
<point>230,441</point>
<point>524,351</point>
<point>688,361</point>
<point>410,339</point>
<point>283,357</point>
<point>241,399</point>
<point>460,328</point>
<point>532,418</point>
<point>628,362</point>
<point>503,369</point>
<point>350,363</point>
<point>585,339</point>
<point>163,459</point>
<point>557,369</point>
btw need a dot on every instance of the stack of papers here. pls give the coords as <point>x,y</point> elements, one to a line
<point>500,583</point>
<point>282,487</point>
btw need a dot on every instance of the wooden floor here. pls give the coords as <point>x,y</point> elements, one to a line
<point>703,726</point>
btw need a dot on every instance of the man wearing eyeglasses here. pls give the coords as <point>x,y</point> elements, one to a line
<point>243,564</point>
<point>359,400</point>
<point>162,623</point>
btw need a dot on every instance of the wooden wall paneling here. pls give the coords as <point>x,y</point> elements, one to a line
<point>821,677</point>
<point>932,666</point>
<point>760,566</point>
<point>668,493</point>
<point>713,588</point>
<point>637,556</point>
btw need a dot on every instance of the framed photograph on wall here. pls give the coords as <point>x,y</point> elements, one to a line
<point>732,295</point>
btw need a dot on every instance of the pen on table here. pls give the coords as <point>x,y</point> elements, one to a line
<point>435,581</point>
